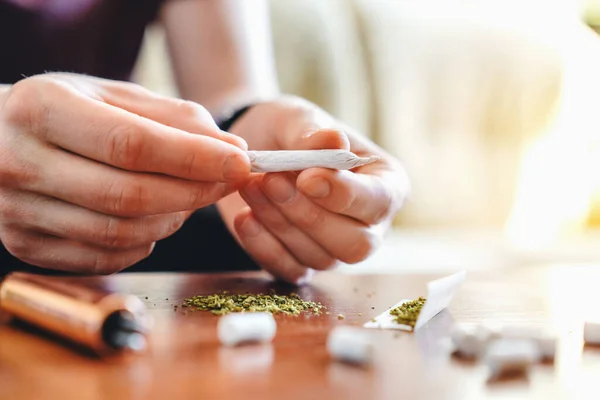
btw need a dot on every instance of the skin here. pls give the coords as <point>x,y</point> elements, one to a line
<point>155,160</point>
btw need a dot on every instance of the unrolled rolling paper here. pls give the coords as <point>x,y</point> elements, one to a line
<point>439,295</point>
<point>298,160</point>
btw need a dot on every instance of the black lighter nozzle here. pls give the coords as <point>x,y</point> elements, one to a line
<point>121,331</point>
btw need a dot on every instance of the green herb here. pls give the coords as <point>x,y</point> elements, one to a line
<point>220,304</point>
<point>407,313</point>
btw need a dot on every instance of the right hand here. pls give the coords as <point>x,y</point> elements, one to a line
<point>93,172</point>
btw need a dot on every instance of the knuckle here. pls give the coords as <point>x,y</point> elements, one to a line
<point>191,110</point>
<point>20,245</point>
<point>312,218</point>
<point>116,233</point>
<point>190,163</point>
<point>125,146</point>
<point>198,195</point>
<point>125,198</point>
<point>15,172</point>
<point>26,104</point>
<point>9,210</point>
<point>349,202</point>
<point>277,222</point>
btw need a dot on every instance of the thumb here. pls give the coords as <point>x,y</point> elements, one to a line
<point>325,138</point>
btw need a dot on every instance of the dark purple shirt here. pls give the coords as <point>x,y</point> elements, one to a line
<point>95,37</point>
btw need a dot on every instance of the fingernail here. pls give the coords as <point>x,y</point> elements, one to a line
<point>255,193</point>
<point>306,278</point>
<point>235,168</point>
<point>317,188</point>
<point>309,133</point>
<point>280,189</point>
<point>250,227</point>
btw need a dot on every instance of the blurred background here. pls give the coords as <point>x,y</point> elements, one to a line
<point>491,105</point>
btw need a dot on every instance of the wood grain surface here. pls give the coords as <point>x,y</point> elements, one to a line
<point>185,359</point>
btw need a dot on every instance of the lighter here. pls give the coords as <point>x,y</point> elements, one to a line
<point>103,321</point>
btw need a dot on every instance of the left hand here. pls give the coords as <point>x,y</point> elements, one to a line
<point>295,223</point>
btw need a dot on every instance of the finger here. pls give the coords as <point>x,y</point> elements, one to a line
<point>266,250</point>
<point>125,140</point>
<point>60,219</point>
<point>305,138</point>
<point>302,247</point>
<point>116,192</point>
<point>362,197</point>
<point>177,113</point>
<point>64,255</point>
<point>344,238</point>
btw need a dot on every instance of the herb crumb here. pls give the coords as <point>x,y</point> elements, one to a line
<point>221,304</point>
<point>341,316</point>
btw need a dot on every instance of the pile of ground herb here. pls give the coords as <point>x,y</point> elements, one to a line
<point>407,313</point>
<point>221,304</point>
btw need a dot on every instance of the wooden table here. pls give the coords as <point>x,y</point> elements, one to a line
<point>186,361</point>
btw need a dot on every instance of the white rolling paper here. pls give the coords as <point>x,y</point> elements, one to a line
<point>298,160</point>
<point>439,294</point>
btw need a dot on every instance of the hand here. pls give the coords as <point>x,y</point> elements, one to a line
<point>93,172</point>
<point>297,223</point>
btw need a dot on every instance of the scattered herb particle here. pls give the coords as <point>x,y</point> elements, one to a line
<point>146,297</point>
<point>408,312</point>
<point>372,308</point>
<point>360,314</point>
<point>220,304</point>
<point>341,316</point>
<point>373,320</point>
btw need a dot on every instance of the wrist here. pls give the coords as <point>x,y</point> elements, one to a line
<point>228,118</point>
<point>4,89</point>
